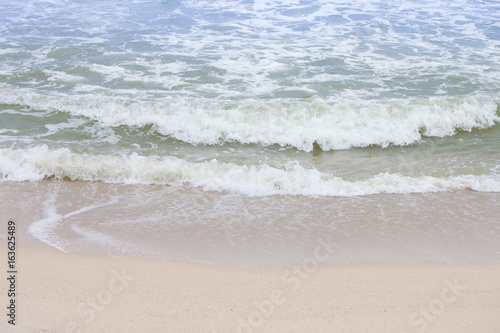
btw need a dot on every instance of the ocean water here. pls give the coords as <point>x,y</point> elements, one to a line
<point>317,98</point>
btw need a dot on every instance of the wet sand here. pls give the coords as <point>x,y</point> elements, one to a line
<point>188,224</point>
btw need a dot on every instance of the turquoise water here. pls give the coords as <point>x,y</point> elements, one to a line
<point>254,97</point>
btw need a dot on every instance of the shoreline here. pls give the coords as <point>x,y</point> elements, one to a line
<point>139,261</point>
<point>250,166</point>
<point>188,224</point>
<point>61,292</point>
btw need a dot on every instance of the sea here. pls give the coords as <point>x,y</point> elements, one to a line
<point>252,99</point>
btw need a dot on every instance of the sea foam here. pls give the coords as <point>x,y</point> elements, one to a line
<point>332,123</point>
<point>41,162</point>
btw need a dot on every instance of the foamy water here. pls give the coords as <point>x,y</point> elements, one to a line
<point>253,97</point>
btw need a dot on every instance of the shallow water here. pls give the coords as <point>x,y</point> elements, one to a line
<point>189,224</point>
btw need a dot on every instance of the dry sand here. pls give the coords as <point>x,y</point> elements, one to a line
<point>60,292</point>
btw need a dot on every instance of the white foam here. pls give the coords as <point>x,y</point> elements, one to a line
<point>54,128</point>
<point>334,123</point>
<point>40,162</point>
<point>262,45</point>
<point>58,76</point>
<point>44,229</point>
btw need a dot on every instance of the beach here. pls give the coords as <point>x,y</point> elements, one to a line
<point>250,166</point>
<point>78,293</point>
<point>208,278</point>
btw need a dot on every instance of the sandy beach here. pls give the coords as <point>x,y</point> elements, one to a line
<point>60,292</point>
<point>250,166</point>
<point>128,261</point>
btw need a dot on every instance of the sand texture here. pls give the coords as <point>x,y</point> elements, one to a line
<point>60,292</point>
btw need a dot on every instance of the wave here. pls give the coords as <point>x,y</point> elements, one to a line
<point>40,162</point>
<point>334,123</point>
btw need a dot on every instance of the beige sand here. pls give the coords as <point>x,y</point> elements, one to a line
<point>59,292</point>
